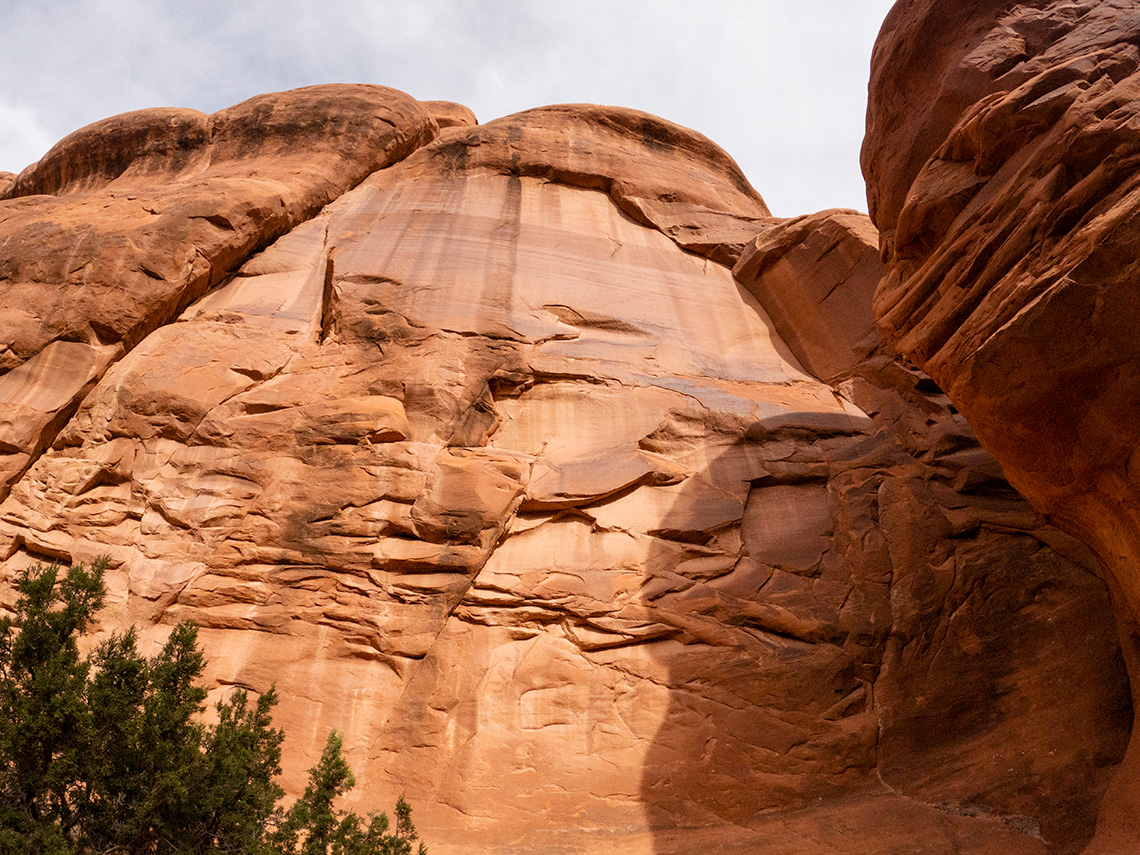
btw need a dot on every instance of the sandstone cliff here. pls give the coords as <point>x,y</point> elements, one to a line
<point>1001,160</point>
<point>538,458</point>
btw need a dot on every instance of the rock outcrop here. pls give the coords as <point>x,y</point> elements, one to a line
<point>126,222</point>
<point>540,460</point>
<point>1002,162</point>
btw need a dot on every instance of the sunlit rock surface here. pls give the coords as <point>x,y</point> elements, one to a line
<point>577,491</point>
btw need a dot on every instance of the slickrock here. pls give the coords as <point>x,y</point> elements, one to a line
<point>679,182</point>
<point>448,114</point>
<point>586,543</point>
<point>816,276</point>
<point>126,222</point>
<point>1002,162</point>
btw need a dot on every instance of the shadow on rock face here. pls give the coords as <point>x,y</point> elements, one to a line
<point>899,626</point>
<point>887,662</point>
<point>1001,162</point>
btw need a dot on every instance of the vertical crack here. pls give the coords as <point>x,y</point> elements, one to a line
<point>328,297</point>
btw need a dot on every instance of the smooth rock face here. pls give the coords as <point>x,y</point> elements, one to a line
<point>124,223</point>
<point>816,276</point>
<point>448,114</point>
<point>496,466</point>
<point>1001,159</point>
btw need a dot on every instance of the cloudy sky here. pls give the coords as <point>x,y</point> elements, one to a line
<point>780,84</point>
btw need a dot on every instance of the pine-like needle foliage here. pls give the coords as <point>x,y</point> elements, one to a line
<point>108,753</point>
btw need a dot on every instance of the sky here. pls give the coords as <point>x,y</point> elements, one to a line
<point>780,84</point>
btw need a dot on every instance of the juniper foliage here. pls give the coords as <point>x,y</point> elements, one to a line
<point>108,753</point>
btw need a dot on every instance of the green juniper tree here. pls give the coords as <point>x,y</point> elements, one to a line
<point>45,723</point>
<point>108,754</point>
<point>313,826</point>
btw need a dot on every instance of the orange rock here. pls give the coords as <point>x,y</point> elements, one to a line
<point>134,217</point>
<point>448,114</point>
<point>583,543</point>
<point>816,276</point>
<point>1001,162</point>
<point>660,174</point>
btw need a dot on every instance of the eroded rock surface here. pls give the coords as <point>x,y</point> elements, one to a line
<point>586,541</point>
<point>125,222</point>
<point>1002,161</point>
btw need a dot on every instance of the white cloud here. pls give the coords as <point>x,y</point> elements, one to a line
<point>23,138</point>
<point>781,84</point>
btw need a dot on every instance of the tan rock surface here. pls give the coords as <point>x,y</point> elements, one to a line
<point>1001,160</point>
<point>494,466</point>
<point>448,114</point>
<point>124,223</point>
<point>816,276</point>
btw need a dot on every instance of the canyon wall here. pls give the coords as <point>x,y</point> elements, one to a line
<point>1003,168</point>
<point>579,492</point>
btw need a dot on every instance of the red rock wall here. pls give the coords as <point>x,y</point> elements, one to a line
<point>587,541</point>
<point>1001,159</point>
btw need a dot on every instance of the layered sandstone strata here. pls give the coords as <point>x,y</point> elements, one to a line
<point>1002,163</point>
<point>574,488</point>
